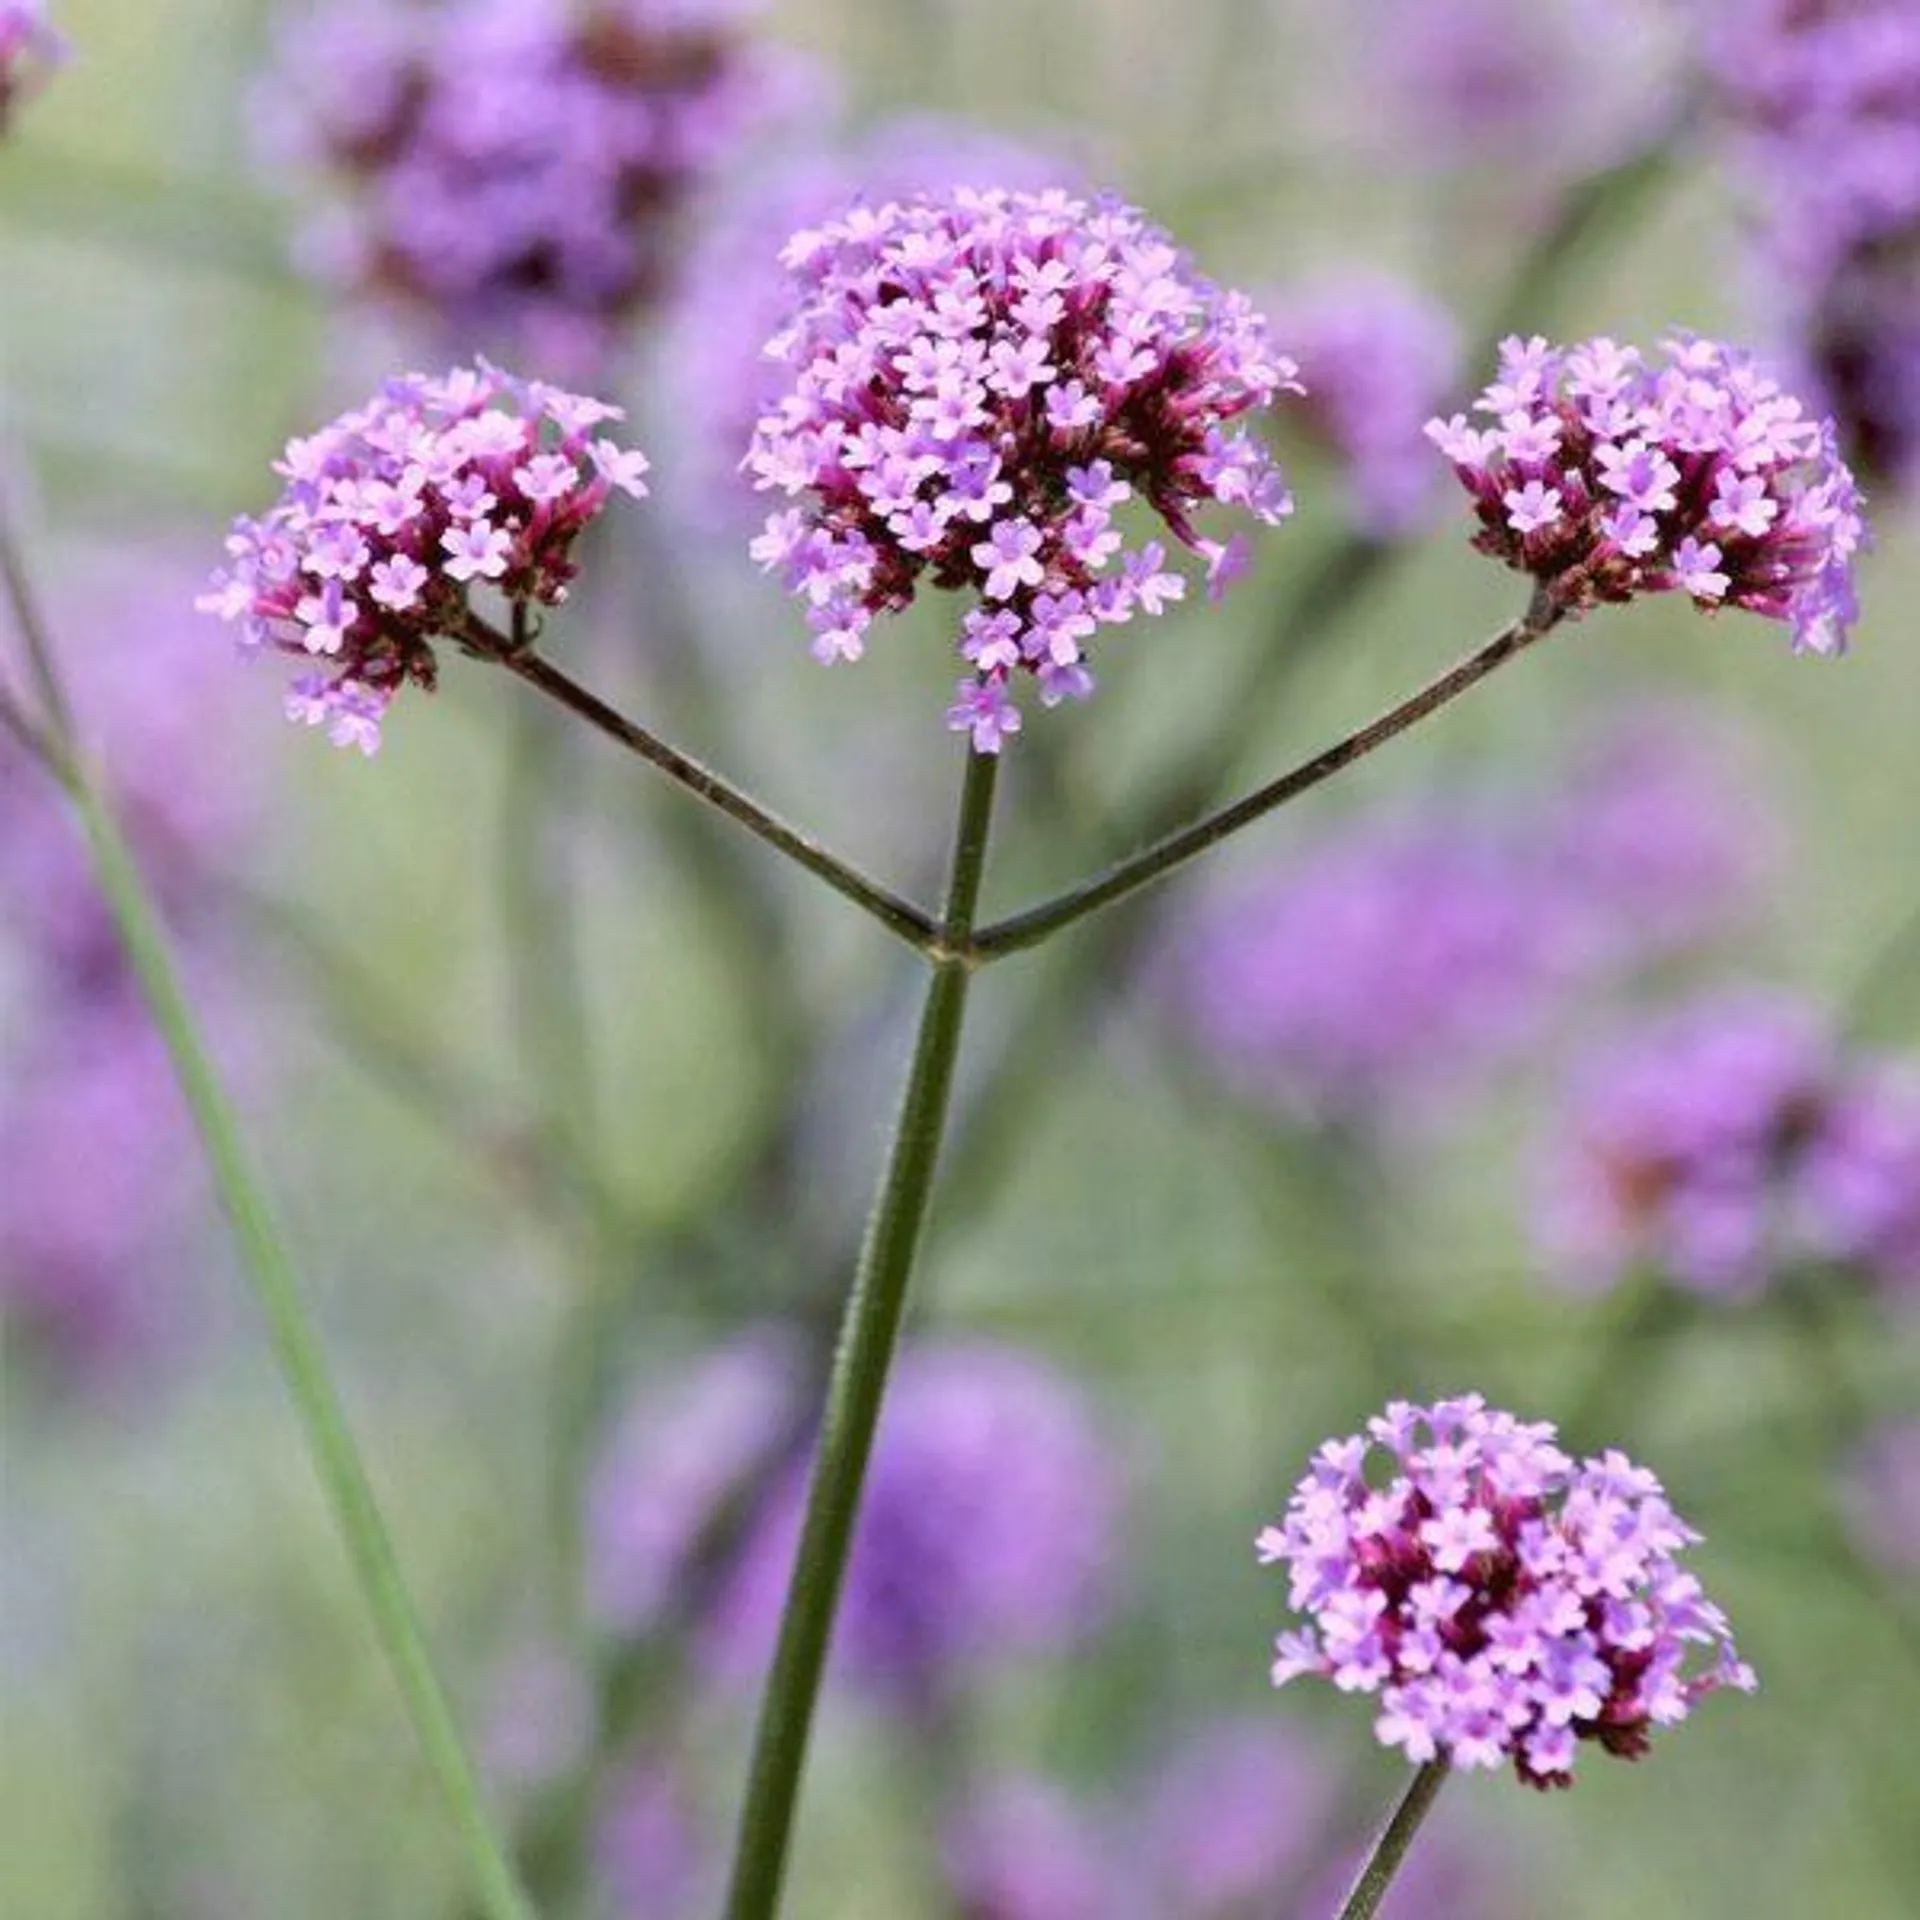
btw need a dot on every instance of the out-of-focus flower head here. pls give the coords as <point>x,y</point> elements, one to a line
<point>1377,357</point>
<point>1502,1601</point>
<point>29,47</point>
<point>1727,1143</point>
<point>1883,1495</point>
<point>975,384</point>
<point>988,1530</point>
<point>1605,478</point>
<point>735,296</point>
<point>1022,1848</point>
<point>394,512</point>
<point>1411,950</point>
<point>1557,87</point>
<point>652,1851</point>
<point>521,171</point>
<point>1824,102</point>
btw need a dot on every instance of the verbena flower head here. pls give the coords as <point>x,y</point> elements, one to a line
<point>735,295</point>
<point>1021,1848</point>
<point>395,512</point>
<point>988,1529</point>
<point>1502,1601</point>
<point>1824,106</point>
<point>1419,946</point>
<point>1377,358</point>
<point>520,170</point>
<point>1728,1143</point>
<point>28,48</point>
<point>976,384</point>
<point>1604,478</point>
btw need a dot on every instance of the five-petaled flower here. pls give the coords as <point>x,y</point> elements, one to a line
<point>1502,1600</point>
<point>977,381</point>
<point>391,514</point>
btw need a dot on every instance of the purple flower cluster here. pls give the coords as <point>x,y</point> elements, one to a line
<point>1825,101</point>
<point>1414,947</point>
<point>987,1529</point>
<point>1022,1848</point>
<point>1377,358</point>
<point>28,47</point>
<point>520,170</point>
<point>1604,478</point>
<point>989,1516</point>
<point>734,295</point>
<point>395,512</point>
<point>976,384</point>
<point>1730,1141</point>
<point>1504,1601</point>
<point>98,1191</point>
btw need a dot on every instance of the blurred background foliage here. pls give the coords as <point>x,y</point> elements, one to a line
<point>556,1088</point>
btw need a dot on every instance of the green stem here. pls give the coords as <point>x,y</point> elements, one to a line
<point>899,916</point>
<point>1396,1837</point>
<point>869,1330</point>
<point>1028,929</point>
<point>330,1443</point>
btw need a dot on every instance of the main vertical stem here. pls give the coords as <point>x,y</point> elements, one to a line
<point>869,1330</point>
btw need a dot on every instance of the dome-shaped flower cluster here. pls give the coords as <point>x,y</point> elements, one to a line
<point>1729,1142</point>
<point>1824,103</point>
<point>1604,477</point>
<point>1503,1601</point>
<point>518,169</point>
<point>977,383</point>
<point>393,513</point>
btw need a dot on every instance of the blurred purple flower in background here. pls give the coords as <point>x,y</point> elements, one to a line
<point>1376,357</point>
<point>988,1526</point>
<point>1503,1601</point>
<point>28,48</point>
<point>652,1850</point>
<point>1724,1144</point>
<point>1420,945</point>
<point>1824,98</point>
<point>394,511</point>
<point>976,382</point>
<point>100,1186</point>
<point>1883,1495</point>
<point>735,296</point>
<point>1557,86</point>
<point>520,170</point>
<point>1605,478</point>
<point>1021,1848</point>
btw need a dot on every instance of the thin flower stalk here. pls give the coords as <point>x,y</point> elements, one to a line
<point>1394,1843</point>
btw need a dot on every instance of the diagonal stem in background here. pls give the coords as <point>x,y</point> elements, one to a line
<point>898,915</point>
<point>869,1332</point>
<point>335,1456</point>
<point>1165,856</point>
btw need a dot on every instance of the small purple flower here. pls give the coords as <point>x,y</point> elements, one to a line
<point>924,333</point>
<point>988,1529</point>
<point>1377,358</point>
<point>29,48</point>
<point>1579,1623</point>
<point>394,511</point>
<point>519,172</point>
<point>1643,463</point>
<point>1730,1142</point>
